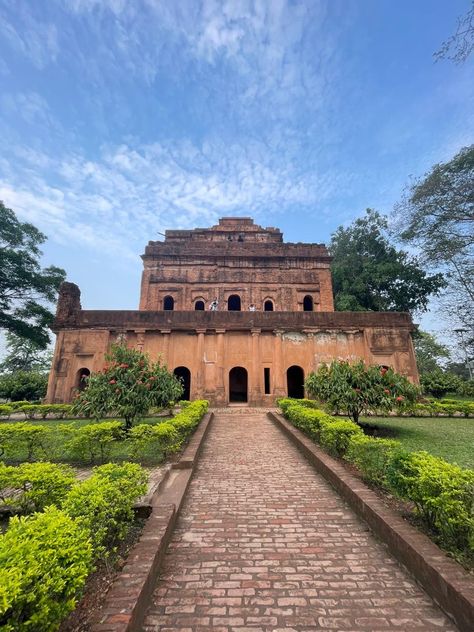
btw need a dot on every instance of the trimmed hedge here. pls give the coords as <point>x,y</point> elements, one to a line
<point>5,411</point>
<point>32,438</point>
<point>44,562</point>
<point>33,486</point>
<point>442,493</point>
<point>94,441</point>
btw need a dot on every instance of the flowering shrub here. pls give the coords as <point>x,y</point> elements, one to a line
<point>356,388</point>
<point>128,386</point>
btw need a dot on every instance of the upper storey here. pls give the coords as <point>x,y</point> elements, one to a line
<point>238,265</point>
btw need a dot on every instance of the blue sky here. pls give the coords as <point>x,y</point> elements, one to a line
<point>121,119</point>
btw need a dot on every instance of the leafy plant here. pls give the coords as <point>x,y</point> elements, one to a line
<point>44,562</point>
<point>371,456</point>
<point>128,386</point>
<point>357,388</point>
<point>33,486</point>
<point>438,383</point>
<point>23,385</point>
<point>336,435</point>
<point>5,411</point>
<point>94,441</point>
<point>163,438</point>
<point>103,504</point>
<point>23,437</point>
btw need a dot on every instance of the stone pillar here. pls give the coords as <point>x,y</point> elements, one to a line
<point>220,372</point>
<point>199,389</point>
<point>255,376</point>
<point>140,339</point>
<point>166,345</point>
<point>279,379</point>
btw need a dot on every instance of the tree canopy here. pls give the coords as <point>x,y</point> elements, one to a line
<point>436,215</point>
<point>429,352</point>
<point>25,287</point>
<point>25,355</point>
<point>371,274</point>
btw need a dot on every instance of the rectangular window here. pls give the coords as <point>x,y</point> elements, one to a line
<point>266,374</point>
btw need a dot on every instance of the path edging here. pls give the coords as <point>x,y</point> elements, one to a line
<point>127,600</point>
<point>443,579</point>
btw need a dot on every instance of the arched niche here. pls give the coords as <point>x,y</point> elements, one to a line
<point>81,378</point>
<point>234,303</point>
<point>184,374</point>
<point>308,304</point>
<point>168,303</point>
<point>238,384</point>
<point>268,305</point>
<point>295,382</point>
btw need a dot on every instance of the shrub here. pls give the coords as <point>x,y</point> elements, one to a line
<point>22,437</point>
<point>438,383</point>
<point>103,504</point>
<point>187,420</point>
<point>5,411</point>
<point>33,486</point>
<point>162,438</point>
<point>306,419</point>
<point>16,405</point>
<point>44,563</point>
<point>371,456</point>
<point>335,435</point>
<point>23,385</point>
<point>94,441</point>
<point>128,386</point>
<point>443,494</point>
<point>357,388</point>
<point>29,410</point>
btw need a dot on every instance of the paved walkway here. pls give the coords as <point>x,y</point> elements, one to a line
<point>264,544</point>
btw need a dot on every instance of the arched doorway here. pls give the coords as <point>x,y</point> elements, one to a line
<point>268,306</point>
<point>238,384</point>
<point>184,374</point>
<point>295,382</point>
<point>168,303</point>
<point>199,306</point>
<point>308,304</point>
<point>81,378</point>
<point>233,303</point>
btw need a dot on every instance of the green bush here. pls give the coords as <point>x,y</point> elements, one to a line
<point>335,435</point>
<point>443,495</point>
<point>16,405</point>
<point>5,411</point>
<point>44,562</point>
<point>186,421</point>
<point>162,439</point>
<point>33,486</point>
<point>307,419</point>
<point>19,438</point>
<point>371,456</point>
<point>285,402</point>
<point>29,410</point>
<point>23,385</point>
<point>103,504</point>
<point>94,441</point>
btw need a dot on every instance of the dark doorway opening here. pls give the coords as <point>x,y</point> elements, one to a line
<point>308,304</point>
<point>266,377</point>
<point>168,303</point>
<point>238,384</point>
<point>81,379</point>
<point>199,306</point>
<point>184,374</point>
<point>268,306</point>
<point>233,303</point>
<point>295,382</point>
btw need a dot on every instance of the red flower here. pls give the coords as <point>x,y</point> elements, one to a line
<point>400,398</point>
<point>385,390</point>
<point>113,382</point>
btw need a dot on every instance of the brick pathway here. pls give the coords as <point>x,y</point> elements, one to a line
<point>264,544</point>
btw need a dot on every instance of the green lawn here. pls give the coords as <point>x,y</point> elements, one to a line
<point>449,438</point>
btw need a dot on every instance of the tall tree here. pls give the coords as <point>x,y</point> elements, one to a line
<point>25,287</point>
<point>429,352</point>
<point>371,274</point>
<point>25,355</point>
<point>436,215</point>
<point>459,46</point>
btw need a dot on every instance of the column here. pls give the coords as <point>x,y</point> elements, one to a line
<point>256,378</point>
<point>199,389</point>
<point>140,339</point>
<point>279,379</point>
<point>220,372</point>
<point>166,345</point>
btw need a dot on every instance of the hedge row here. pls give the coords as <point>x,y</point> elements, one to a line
<point>35,411</point>
<point>45,558</point>
<point>442,493</point>
<point>95,442</point>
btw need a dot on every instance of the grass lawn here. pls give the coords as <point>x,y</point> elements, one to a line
<point>449,438</point>
<point>56,450</point>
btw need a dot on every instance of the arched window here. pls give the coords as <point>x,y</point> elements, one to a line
<point>238,384</point>
<point>184,374</point>
<point>168,303</point>
<point>233,303</point>
<point>295,382</point>
<point>199,306</point>
<point>81,378</point>
<point>308,303</point>
<point>268,306</point>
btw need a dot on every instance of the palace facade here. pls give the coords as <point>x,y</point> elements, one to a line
<point>240,315</point>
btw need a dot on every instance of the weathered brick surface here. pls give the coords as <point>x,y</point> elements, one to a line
<point>263,543</point>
